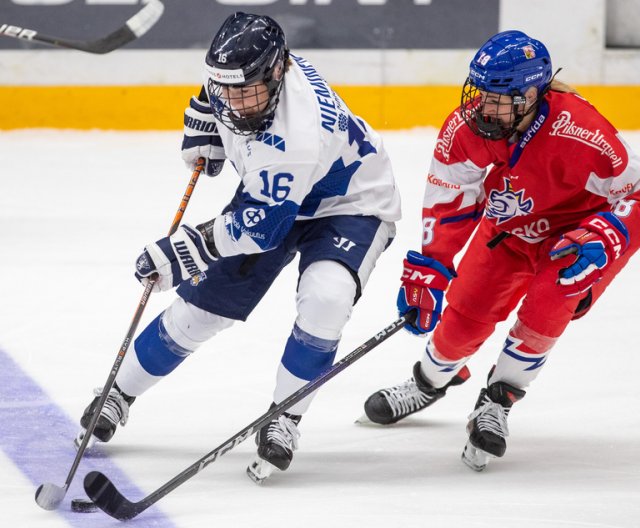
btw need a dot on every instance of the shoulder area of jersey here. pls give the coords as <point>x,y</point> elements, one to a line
<point>292,129</point>
<point>455,128</point>
<point>568,110</point>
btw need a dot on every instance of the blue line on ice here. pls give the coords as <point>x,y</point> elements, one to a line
<point>37,436</point>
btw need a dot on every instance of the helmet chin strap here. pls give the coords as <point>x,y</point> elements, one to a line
<point>518,100</point>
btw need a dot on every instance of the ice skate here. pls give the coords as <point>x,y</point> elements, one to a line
<point>276,443</point>
<point>114,412</point>
<point>487,426</point>
<point>259,470</point>
<point>387,406</point>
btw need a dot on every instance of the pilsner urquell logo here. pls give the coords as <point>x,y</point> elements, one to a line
<point>565,126</point>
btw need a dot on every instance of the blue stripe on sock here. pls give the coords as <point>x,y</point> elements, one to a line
<point>157,352</point>
<point>449,366</point>
<point>37,436</point>
<point>306,356</point>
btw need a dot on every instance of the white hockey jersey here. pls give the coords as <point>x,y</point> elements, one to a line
<point>315,160</point>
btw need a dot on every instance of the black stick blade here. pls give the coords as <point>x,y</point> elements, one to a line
<point>134,28</point>
<point>105,495</point>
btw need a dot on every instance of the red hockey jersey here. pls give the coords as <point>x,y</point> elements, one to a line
<point>570,163</point>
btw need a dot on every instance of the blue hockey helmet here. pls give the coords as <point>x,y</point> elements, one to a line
<point>247,50</point>
<point>511,62</point>
<point>507,65</point>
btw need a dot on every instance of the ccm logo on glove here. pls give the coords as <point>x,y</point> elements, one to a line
<point>599,224</point>
<point>414,275</point>
<point>595,244</point>
<point>424,281</point>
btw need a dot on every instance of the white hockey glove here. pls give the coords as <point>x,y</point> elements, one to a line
<point>184,255</point>
<point>201,138</point>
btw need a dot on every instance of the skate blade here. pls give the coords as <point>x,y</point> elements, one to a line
<point>260,470</point>
<point>364,420</point>
<point>475,458</point>
<point>78,440</point>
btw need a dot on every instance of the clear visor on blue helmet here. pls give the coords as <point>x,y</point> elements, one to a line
<point>493,100</point>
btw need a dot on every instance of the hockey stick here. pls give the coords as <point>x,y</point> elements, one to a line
<point>48,495</point>
<point>135,27</point>
<point>106,496</point>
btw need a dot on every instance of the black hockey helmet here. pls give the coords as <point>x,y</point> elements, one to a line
<point>248,50</point>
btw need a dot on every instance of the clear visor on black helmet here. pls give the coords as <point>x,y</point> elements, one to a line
<point>491,115</point>
<point>243,107</point>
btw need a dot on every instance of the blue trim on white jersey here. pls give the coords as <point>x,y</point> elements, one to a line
<point>272,139</point>
<point>273,222</point>
<point>335,183</point>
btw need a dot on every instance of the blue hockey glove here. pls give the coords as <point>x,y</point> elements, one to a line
<point>598,241</point>
<point>201,138</point>
<point>184,255</point>
<point>424,281</point>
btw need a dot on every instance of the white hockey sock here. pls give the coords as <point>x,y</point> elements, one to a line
<point>287,384</point>
<point>436,369</point>
<point>132,378</point>
<point>522,356</point>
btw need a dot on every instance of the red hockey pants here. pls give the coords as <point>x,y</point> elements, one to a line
<point>491,283</point>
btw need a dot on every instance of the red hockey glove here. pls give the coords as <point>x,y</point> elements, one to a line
<point>599,240</point>
<point>424,281</point>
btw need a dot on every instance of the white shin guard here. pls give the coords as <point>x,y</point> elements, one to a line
<point>187,326</point>
<point>326,294</point>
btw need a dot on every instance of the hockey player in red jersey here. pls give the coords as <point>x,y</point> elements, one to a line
<point>553,190</point>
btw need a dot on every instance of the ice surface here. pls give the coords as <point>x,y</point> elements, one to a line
<point>75,210</point>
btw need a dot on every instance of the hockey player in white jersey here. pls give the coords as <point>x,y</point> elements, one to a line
<point>314,180</point>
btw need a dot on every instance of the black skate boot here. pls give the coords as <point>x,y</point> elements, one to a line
<point>276,443</point>
<point>487,426</point>
<point>387,406</point>
<point>115,410</point>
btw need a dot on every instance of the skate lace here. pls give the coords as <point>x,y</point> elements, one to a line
<point>492,417</point>
<point>405,398</point>
<point>115,409</point>
<point>284,432</point>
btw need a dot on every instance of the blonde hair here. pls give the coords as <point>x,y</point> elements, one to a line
<point>559,86</point>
